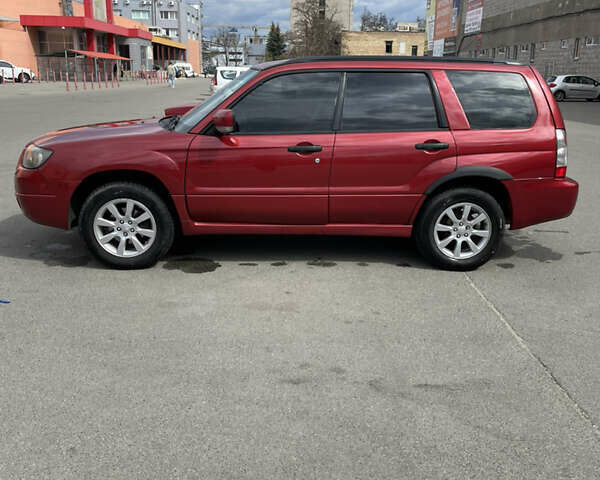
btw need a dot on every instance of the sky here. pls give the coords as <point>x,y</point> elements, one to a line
<point>263,12</point>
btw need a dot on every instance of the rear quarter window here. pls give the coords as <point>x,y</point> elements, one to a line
<point>228,74</point>
<point>494,100</point>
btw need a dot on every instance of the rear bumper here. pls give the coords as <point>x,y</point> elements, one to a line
<point>541,200</point>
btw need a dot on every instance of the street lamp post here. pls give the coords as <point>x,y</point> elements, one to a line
<point>65,45</point>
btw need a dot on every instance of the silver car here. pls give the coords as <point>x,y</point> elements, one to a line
<point>574,86</point>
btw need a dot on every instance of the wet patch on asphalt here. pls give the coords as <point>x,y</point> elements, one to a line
<point>321,263</point>
<point>248,264</point>
<point>192,265</point>
<point>506,265</point>
<point>524,247</point>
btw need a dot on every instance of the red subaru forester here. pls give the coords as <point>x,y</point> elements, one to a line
<point>449,151</point>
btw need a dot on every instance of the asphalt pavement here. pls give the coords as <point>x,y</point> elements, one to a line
<point>294,357</point>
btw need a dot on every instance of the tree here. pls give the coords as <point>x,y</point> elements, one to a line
<point>376,22</point>
<point>275,44</point>
<point>228,40</point>
<point>316,32</point>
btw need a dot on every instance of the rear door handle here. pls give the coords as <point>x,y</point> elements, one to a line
<point>432,146</point>
<point>305,149</point>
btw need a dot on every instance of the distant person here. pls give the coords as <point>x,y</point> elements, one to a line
<point>171,74</point>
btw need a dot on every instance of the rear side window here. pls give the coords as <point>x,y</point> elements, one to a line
<point>228,74</point>
<point>295,103</point>
<point>551,78</point>
<point>388,102</point>
<point>494,99</point>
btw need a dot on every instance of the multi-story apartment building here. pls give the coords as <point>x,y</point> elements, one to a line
<point>341,9</point>
<point>175,24</point>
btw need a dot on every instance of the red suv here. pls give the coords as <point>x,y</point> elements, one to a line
<point>449,151</point>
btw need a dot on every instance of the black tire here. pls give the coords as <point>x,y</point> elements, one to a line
<point>165,226</point>
<point>435,207</point>
<point>559,96</point>
<point>24,77</point>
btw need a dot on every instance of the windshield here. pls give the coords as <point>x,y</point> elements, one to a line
<point>195,116</point>
<point>550,79</point>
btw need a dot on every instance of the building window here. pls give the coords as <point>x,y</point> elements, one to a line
<point>576,49</point>
<point>167,15</point>
<point>493,53</point>
<point>140,15</point>
<point>564,44</point>
<point>589,41</point>
<point>414,50</point>
<point>515,52</point>
<point>532,53</point>
<point>389,46</point>
<point>524,48</point>
<point>501,50</point>
<point>116,11</point>
<point>543,46</point>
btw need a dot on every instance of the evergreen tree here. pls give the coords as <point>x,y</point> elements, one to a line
<point>275,44</point>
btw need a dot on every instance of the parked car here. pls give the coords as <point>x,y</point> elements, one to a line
<point>565,87</point>
<point>184,70</point>
<point>449,151</point>
<point>21,74</point>
<point>224,75</point>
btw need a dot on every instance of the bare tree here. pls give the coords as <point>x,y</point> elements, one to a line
<point>376,22</point>
<point>316,32</point>
<point>229,41</point>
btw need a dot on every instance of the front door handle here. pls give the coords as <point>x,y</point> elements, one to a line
<point>305,149</point>
<point>432,146</point>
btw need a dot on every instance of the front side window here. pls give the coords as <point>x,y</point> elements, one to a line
<point>494,99</point>
<point>197,114</point>
<point>294,103</point>
<point>388,102</point>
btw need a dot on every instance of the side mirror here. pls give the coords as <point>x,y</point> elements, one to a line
<point>596,84</point>
<point>224,121</point>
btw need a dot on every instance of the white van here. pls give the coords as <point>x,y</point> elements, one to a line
<point>185,69</point>
<point>224,75</point>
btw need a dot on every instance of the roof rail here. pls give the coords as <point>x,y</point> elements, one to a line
<point>387,58</point>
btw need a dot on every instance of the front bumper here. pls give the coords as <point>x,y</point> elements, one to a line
<point>43,202</point>
<point>541,200</point>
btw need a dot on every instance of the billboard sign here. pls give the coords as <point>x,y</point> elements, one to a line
<point>430,25</point>
<point>474,16</point>
<point>446,18</point>
<point>438,48</point>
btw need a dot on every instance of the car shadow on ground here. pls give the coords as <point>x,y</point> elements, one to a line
<point>23,239</point>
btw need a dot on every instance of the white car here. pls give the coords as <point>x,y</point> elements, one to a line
<point>21,74</point>
<point>565,87</point>
<point>185,69</point>
<point>224,75</point>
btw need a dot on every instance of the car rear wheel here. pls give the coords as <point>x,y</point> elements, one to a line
<point>460,229</point>
<point>24,77</point>
<point>126,225</point>
<point>559,96</point>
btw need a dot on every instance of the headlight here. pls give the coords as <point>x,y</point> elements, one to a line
<point>35,157</point>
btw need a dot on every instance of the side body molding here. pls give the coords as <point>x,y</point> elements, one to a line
<point>486,172</point>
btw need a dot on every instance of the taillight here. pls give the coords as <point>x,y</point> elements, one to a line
<point>552,85</point>
<point>561,154</point>
<point>215,80</point>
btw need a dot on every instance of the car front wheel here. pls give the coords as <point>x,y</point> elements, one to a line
<point>126,225</point>
<point>460,229</point>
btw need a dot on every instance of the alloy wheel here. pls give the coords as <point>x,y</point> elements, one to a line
<point>462,231</point>
<point>124,227</point>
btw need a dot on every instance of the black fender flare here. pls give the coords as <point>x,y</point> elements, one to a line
<point>461,172</point>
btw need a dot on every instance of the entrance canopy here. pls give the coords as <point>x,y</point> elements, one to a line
<point>105,56</point>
